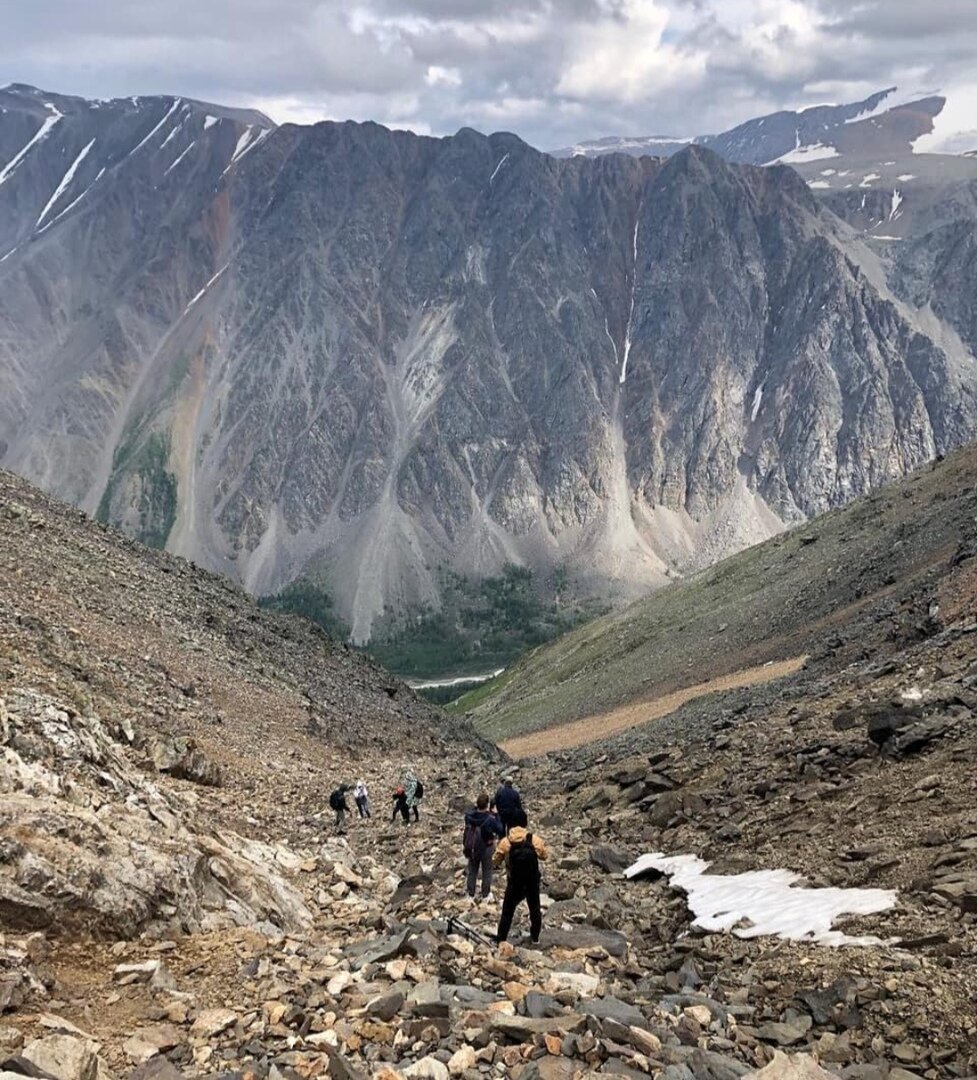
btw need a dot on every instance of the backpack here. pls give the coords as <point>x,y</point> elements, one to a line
<point>336,800</point>
<point>419,790</point>
<point>523,860</point>
<point>473,842</point>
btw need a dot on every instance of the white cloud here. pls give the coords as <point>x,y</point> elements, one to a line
<point>442,76</point>
<point>555,71</point>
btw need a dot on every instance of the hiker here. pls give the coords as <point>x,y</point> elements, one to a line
<point>337,800</point>
<point>521,852</point>
<point>400,805</point>
<point>481,830</point>
<point>415,792</point>
<point>361,796</point>
<point>507,802</point>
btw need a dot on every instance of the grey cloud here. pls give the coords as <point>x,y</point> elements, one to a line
<point>371,59</point>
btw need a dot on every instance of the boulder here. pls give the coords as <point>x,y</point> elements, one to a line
<point>64,1057</point>
<point>790,1067</point>
<point>179,756</point>
<point>585,936</point>
<point>212,1022</point>
<point>611,860</point>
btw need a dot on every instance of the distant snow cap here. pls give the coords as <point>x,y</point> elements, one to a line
<point>765,903</point>
<point>955,126</point>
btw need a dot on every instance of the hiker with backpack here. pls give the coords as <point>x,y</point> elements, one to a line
<point>482,828</point>
<point>415,792</point>
<point>507,802</point>
<point>337,800</point>
<point>521,851</point>
<point>361,796</point>
<point>400,806</point>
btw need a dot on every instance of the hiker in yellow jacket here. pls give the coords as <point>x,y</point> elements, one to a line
<point>521,852</point>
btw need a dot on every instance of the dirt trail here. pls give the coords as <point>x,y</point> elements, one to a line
<point>617,720</point>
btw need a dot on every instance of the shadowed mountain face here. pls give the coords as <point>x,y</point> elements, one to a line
<point>359,354</point>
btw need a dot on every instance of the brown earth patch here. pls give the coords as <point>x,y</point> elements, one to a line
<point>603,725</point>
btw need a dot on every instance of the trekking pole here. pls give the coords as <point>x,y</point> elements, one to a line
<point>456,926</point>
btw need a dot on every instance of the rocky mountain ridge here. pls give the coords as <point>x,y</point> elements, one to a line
<point>353,356</point>
<point>885,124</point>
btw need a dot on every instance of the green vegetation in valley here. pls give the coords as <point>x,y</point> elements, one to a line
<point>311,600</point>
<point>483,624</point>
<point>156,492</point>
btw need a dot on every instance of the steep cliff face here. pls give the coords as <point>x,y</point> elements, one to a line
<point>360,354</point>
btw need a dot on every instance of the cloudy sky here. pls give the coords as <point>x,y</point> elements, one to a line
<point>554,71</point>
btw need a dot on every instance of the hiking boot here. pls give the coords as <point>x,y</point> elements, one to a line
<point>489,898</point>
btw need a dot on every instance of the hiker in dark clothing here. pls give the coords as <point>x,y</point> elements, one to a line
<point>337,800</point>
<point>400,805</point>
<point>415,792</point>
<point>507,802</point>
<point>521,851</point>
<point>482,828</point>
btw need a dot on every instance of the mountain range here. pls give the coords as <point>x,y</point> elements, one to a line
<point>890,122</point>
<point>358,356</point>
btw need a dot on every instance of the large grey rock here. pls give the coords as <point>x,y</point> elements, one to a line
<point>584,936</point>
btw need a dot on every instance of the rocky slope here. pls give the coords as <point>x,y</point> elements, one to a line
<point>176,902</point>
<point>121,668</point>
<point>840,588</point>
<point>358,355</point>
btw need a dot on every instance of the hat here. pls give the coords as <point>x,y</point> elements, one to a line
<point>507,780</point>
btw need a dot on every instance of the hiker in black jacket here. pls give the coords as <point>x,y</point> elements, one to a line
<point>521,851</point>
<point>337,800</point>
<point>482,828</point>
<point>507,802</point>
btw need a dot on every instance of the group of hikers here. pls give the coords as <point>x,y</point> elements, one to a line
<point>406,800</point>
<point>496,832</point>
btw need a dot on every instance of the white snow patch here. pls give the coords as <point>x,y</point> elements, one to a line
<point>172,135</point>
<point>73,203</point>
<point>246,143</point>
<point>142,142</point>
<point>768,900</point>
<point>634,283</point>
<point>209,121</point>
<point>906,177</point>
<point>495,171</point>
<point>802,154</point>
<point>39,136</point>
<point>4,258</point>
<point>892,100</point>
<point>181,157</point>
<point>205,288</point>
<point>65,181</point>
<point>882,236</point>
<point>868,178</point>
<point>828,172</point>
<point>820,184</point>
<point>757,399</point>
<point>896,201</point>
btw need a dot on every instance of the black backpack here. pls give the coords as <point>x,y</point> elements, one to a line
<point>337,800</point>
<point>523,860</point>
<point>473,842</point>
<point>419,791</point>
